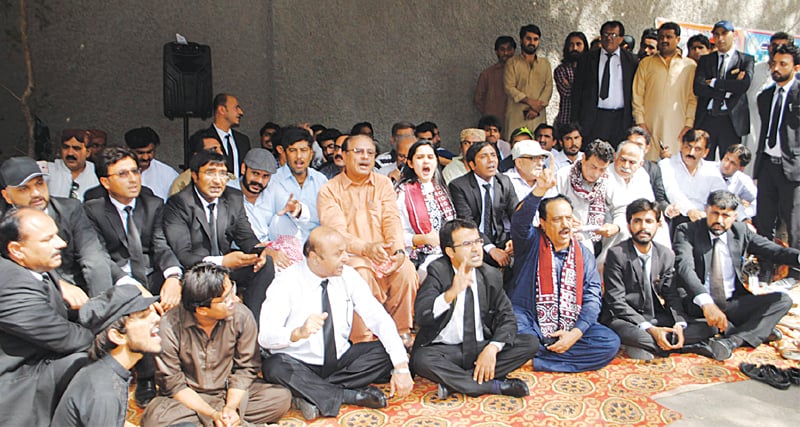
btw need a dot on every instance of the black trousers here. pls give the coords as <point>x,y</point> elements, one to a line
<point>777,198</point>
<point>361,365</point>
<point>253,285</point>
<point>441,363</point>
<point>721,134</point>
<point>631,335</point>
<point>609,126</point>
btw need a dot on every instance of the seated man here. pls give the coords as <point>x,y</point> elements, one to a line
<point>529,159</point>
<point>641,137</point>
<point>98,394</point>
<point>557,286</point>
<point>734,161</point>
<point>708,255</point>
<point>467,340</point>
<point>208,367</point>
<point>458,165</point>
<point>203,222</point>
<point>570,138</point>
<point>202,140</point>
<point>42,345</point>
<point>72,174</point>
<point>641,301</point>
<point>306,323</point>
<point>156,175</point>
<point>361,204</point>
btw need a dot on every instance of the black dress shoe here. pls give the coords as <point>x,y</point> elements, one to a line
<point>793,374</point>
<point>145,391</point>
<point>514,387</point>
<point>370,397</point>
<point>722,348</point>
<point>701,348</point>
<point>767,374</point>
<point>775,335</point>
<point>442,392</point>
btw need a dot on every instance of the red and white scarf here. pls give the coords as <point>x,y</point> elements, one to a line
<point>418,214</point>
<point>558,309</point>
<point>596,197</point>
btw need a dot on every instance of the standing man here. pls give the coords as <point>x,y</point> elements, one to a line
<point>698,46</point>
<point>227,115</point>
<point>468,340</point>
<point>602,95</point>
<point>156,175</point>
<point>307,320</point>
<point>720,84</point>
<point>762,79</point>
<point>72,174</point>
<point>208,366</point>
<point>574,45</point>
<point>663,101</point>
<point>528,81</point>
<point>490,95</point>
<point>648,44</point>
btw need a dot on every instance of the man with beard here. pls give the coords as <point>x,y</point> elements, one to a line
<point>296,186</point>
<point>551,266</point>
<point>529,159</point>
<point>327,142</point>
<point>528,81</point>
<point>574,45</point>
<point>663,100</point>
<point>336,165</point>
<point>490,96</point>
<point>708,267</point>
<point>570,136</point>
<point>98,394</point>
<point>689,179</point>
<point>227,115</point>
<point>72,174</point>
<point>156,175</point>
<point>762,80</point>
<point>641,302</point>
<point>602,94</point>
<point>648,44</point>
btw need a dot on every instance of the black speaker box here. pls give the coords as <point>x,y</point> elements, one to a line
<point>187,80</point>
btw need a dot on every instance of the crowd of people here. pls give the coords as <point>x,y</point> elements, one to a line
<point>306,269</point>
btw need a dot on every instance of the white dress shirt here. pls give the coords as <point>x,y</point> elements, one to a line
<point>234,154</point>
<point>686,190</point>
<point>744,188</point>
<point>616,98</point>
<point>158,177</point>
<point>59,180</point>
<point>297,294</point>
<point>776,150</point>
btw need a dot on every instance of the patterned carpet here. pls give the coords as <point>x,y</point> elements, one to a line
<point>618,395</point>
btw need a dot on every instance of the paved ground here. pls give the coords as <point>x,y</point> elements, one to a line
<point>744,403</point>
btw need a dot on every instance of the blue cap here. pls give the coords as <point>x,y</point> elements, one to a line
<point>723,24</point>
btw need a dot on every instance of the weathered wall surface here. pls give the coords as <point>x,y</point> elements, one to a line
<point>333,62</point>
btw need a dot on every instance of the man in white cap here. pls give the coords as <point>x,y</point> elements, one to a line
<point>529,159</point>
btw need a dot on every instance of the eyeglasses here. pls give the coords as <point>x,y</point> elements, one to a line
<point>359,151</point>
<point>468,243</point>
<point>127,173</point>
<point>337,147</point>
<point>402,157</point>
<point>609,35</point>
<point>210,174</point>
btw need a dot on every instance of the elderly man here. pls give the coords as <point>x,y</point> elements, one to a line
<point>72,174</point>
<point>361,204</point>
<point>41,345</point>
<point>306,321</point>
<point>556,294</point>
<point>459,167</point>
<point>529,159</point>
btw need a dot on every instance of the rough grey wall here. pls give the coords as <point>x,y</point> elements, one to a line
<point>335,62</point>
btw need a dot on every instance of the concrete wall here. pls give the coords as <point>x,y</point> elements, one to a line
<point>336,62</point>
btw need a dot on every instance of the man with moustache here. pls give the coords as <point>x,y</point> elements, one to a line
<point>641,302</point>
<point>156,175</point>
<point>42,344</point>
<point>529,159</point>
<point>459,167</point>
<point>574,45</point>
<point>528,81</point>
<point>336,165</point>
<point>602,94</point>
<point>72,174</point>
<point>327,142</point>
<point>762,79</point>
<point>641,138</point>
<point>552,267</point>
<point>270,136</point>
<point>97,139</point>
<point>708,267</point>
<point>361,204</point>
<point>663,100</point>
<point>227,115</point>
<point>570,136</point>
<point>490,95</point>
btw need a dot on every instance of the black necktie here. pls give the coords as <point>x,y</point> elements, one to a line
<point>212,227</point>
<point>488,217</point>
<point>229,158</point>
<point>73,190</point>
<point>776,117</point>
<point>716,278</point>
<point>328,336</point>
<point>716,104</point>
<point>135,252</point>
<point>469,345</point>
<point>604,83</point>
<point>647,289</point>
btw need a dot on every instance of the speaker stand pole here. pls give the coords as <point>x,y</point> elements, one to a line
<point>186,149</point>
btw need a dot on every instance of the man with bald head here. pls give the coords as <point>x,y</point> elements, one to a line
<point>306,322</point>
<point>361,204</point>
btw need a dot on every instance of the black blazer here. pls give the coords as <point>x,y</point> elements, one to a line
<point>692,245</point>
<point>186,227</point>
<point>708,68</point>
<point>624,296</point>
<point>468,204</point>
<point>147,215</point>
<point>84,261</point>
<point>242,145</point>
<point>585,89</point>
<point>789,130</point>
<point>497,315</point>
<point>656,180</point>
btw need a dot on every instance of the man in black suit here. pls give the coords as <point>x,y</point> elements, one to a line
<point>456,349</point>
<point>204,220</point>
<point>603,88</point>
<point>227,115</point>
<point>470,197</point>
<point>84,262</point>
<point>641,303</point>
<point>777,165</point>
<point>720,83</point>
<point>709,254</point>
<point>42,345</point>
